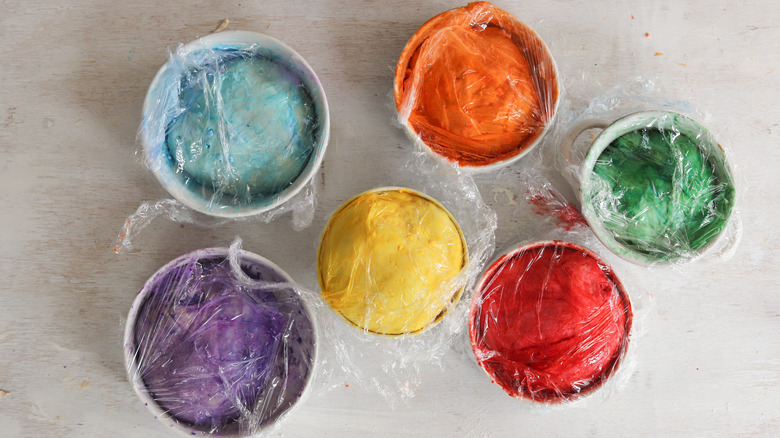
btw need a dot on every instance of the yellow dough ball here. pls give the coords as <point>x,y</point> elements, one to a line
<point>387,259</point>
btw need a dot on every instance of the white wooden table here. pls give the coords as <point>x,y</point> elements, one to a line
<point>73,75</point>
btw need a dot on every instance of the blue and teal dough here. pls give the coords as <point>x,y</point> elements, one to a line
<point>247,127</point>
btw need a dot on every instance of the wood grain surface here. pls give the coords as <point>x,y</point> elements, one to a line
<point>73,75</point>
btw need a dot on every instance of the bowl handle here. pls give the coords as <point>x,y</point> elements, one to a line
<point>582,126</point>
<point>572,159</point>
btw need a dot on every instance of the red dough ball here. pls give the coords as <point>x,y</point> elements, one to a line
<point>550,322</point>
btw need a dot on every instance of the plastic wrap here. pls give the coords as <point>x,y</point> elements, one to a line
<point>234,124</point>
<point>550,322</point>
<point>476,86</point>
<point>655,186</point>
<point>394,264</point>
<point>220,342</point>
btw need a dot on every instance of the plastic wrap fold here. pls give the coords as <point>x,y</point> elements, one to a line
<point>393,265</point>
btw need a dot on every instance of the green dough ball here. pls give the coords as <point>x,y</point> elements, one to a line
<point>657,193</point>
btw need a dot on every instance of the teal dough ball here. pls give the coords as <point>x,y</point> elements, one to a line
<point>247,128</point>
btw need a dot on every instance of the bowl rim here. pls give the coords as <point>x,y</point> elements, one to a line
<point>248,40</point>
<point>131,367</point>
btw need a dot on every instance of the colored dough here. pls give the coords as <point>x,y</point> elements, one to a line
<point>550,322</point>
<point>656,192</point>
<point>386,258</point>
<point>247,127</point>
<point>478,85</point>
<point>209,346</point>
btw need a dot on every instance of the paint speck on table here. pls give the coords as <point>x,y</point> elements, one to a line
<point>566,215</point>
<point>11,119</point>
<point>4,393</point>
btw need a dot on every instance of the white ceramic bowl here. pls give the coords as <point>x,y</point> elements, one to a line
<point>662,120</point>
<point>162,97</point>
<point>545,72</point>
<point>290,397</point>
<point>494,269</point>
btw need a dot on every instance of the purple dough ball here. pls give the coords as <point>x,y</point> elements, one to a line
<point>208,345</point>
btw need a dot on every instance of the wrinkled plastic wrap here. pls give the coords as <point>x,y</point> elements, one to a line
<point>476,86</point>
<point>235,124</point>
<point>395,265</point>
<point>550,322</point>
<point>221,342</point>
<point>654,184</point>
